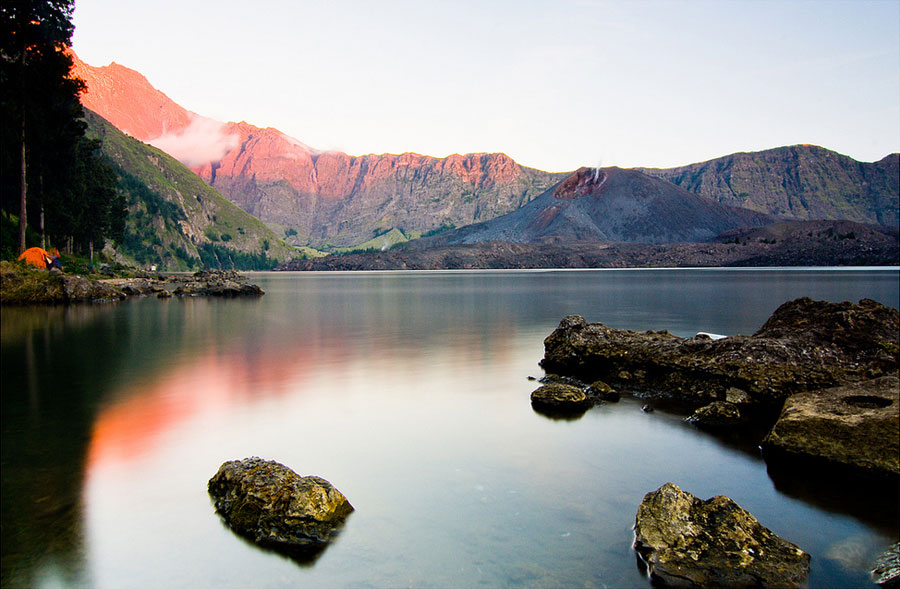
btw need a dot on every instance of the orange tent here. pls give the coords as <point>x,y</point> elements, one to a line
<point>40,258</point>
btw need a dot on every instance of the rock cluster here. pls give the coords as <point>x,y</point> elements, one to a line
<point>687,542</point>
<point>24,286</point>
<point>830,368</point>
<point>217,283</point>
<point>273,506</point>
<point>806,345</point>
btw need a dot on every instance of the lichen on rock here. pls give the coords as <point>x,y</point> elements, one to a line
<point>805,345</point>
<point>855,425</point>
<point>687,542</point>
<point>273,506</point>
<point>560,398</point>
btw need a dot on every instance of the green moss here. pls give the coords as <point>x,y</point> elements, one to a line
<point>23,285</point>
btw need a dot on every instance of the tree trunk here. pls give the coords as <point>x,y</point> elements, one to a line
<point>91,248</point>
<point>43,235</point>
<point>23,212</point>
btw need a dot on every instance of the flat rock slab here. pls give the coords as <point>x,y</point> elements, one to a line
<point>687,542</point>
<point>805,345</point>
<point>856,425</point>
<point>275,507</point>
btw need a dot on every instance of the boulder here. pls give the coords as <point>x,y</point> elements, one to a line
<point>805,345</point>
<point>603,391</point>
<point>273,506</point>
<point>560,397</point>
<point>855,425</point>
<point>887,568</point>
<point>688,542</point>
<point>716,415</point>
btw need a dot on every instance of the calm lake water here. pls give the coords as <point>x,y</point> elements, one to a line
<point>409,392</point>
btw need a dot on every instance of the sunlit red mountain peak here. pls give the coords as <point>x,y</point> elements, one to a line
<point>126,99</point>
<point>325,198</point>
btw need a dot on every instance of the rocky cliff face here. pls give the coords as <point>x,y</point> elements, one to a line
<point>323,199</point>
<point>800,182</point>
<point>127,99</point>
<point>332,199</point>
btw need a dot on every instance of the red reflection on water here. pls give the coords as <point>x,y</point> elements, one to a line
<point>131,426</point>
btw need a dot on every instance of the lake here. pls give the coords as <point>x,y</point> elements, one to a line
<point>409,391</point>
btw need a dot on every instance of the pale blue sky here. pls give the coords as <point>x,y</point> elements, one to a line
<point>555,84</point>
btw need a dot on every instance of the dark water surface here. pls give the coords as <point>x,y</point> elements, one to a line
<point>407,391</point>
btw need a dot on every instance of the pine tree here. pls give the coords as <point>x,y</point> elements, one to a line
<point>47,162</point>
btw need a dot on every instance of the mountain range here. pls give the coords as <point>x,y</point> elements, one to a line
<point>322,199</point>
<point>611,204</point>
<point>799,182</point>
<point>336,202</point>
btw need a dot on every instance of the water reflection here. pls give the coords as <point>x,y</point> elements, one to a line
<point>409,393</point>
<point>48,400</point>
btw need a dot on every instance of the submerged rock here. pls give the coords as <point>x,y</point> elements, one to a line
<point>272,505</point>
<point>856,425</point>
<point>687,542</point>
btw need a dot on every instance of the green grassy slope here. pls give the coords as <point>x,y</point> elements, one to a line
<point>175,220</point>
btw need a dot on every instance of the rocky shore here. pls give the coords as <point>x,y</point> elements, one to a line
<point>22,285</point>
<point>798,243</point>
<point>816,388</point>
<point>821,377</point>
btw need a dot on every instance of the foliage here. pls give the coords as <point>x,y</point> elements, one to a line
<point>70,188</point>
<point>172,212</point>
<point>9,242</point>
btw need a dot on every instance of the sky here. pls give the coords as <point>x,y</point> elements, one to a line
<point>554,84</point>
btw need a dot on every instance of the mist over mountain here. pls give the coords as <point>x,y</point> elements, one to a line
<point>322,199</point>
<point>333,201</point>
<point>176,221</point>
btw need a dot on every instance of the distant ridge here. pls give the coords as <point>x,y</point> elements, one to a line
<point>799,182</point>
<point>610,204</point>
<point>334,201</point>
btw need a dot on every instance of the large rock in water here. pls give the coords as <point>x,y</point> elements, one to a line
<point>687,542</point>
<point>561,398</point>
<point>804,346</point>
<point>856,425</point>
<point>275,507</point>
